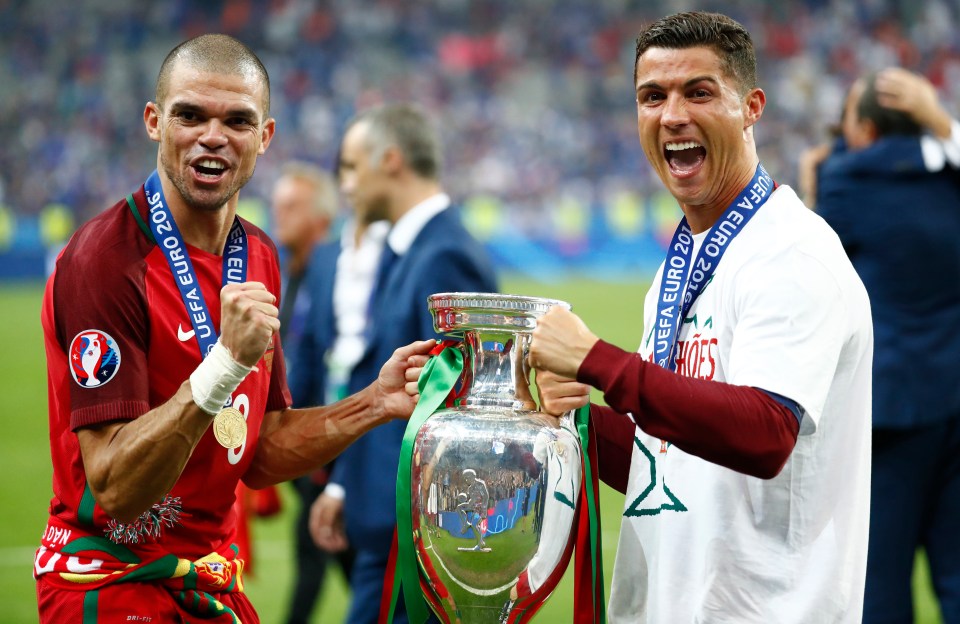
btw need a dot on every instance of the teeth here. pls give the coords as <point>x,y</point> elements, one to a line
<point>210,164</point>
<point>674,147</point>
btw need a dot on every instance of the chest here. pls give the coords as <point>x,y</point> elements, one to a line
<point>702,336</point>
<point>179,322</point>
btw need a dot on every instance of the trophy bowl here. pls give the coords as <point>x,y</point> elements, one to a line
<point>494,483</point>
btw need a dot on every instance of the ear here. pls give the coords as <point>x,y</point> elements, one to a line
<point>151,120</point>
<point>393,160</point>
<point>753,105</point>
<point>266,134</point>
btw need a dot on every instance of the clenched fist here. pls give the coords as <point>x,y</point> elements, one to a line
<point>248,320</point>
<point>560,342</point>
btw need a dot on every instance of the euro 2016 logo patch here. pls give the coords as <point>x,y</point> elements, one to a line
<point>94,358</point>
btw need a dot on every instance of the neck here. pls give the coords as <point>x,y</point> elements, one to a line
<point>701,217</point>
<point>297,258</point>
<point>204,229</point>
<point>410,194</point>
<point>358,233</point>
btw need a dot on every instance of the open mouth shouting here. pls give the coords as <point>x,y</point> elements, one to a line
<point>208,169</point>
<point>685,158</point>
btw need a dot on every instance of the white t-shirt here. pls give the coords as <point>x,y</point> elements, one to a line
<point>352,286</point>
<point>785,312</point>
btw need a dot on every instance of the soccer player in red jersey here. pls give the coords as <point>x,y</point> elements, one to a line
<point>166,377</point>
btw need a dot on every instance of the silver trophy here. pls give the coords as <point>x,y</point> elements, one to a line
<point>495,483</point>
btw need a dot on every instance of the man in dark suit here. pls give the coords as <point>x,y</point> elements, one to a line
<point>890,188</point>
<point>389,169</point>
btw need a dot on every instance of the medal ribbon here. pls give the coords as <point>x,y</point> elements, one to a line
<point>682,282</point>
<point>436,381</point>
<point>589,603</point>
<point>167,236</point>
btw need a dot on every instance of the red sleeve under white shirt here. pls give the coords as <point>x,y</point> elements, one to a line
<point>738,427</point>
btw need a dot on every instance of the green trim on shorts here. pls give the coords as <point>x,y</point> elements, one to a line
<point>87,503</point>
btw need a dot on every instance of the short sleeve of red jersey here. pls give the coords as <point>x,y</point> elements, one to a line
<point>97,306</point>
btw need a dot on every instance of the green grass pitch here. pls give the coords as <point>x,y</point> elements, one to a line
<point>613,311</point>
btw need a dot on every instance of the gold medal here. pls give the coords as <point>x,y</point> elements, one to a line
<point>230,428</point>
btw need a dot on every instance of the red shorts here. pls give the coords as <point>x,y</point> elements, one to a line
<point>125,602</point>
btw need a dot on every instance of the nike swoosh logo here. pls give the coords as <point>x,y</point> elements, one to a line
<point>184,336</point>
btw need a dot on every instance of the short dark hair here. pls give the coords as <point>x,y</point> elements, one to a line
<point>727,36</point>
<point>408,128</point>
<point>887,121</point>
<point>214,53</point>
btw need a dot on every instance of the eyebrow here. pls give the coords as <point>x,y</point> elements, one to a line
<point>187,107</point>
<point>651,84</point>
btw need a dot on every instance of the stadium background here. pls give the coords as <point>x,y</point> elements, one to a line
<point>535,103</point>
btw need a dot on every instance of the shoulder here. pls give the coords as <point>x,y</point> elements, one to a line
<point>892,155</point>
<point>101,270</point>
<point>450,218</point>
<point>445,234</point>
<point>322,266</point>
<point>260,239</point>
<point>325,252</point>
<point>785,222</point>
<point>110,241</point>
<point>789,248</point>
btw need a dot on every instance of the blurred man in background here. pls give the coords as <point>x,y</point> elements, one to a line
<point>304,206</point>
<point>336,328</point>
<point>390,170</point>
<point>890,187</point>
<point>740,430</point>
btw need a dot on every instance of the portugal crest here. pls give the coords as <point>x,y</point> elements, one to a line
<point>94,358</point>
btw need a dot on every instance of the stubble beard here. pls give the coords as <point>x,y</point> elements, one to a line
<point>204,201</point>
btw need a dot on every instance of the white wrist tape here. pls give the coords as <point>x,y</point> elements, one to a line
<point>216,378</point>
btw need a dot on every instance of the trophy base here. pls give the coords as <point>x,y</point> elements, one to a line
<point>464,549</point>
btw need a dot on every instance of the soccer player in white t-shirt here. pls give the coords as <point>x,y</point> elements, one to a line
<point>740,431</point>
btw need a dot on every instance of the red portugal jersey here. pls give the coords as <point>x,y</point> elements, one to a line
<point>119,342</point>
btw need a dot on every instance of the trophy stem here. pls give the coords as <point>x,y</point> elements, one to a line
<point>497,374</point>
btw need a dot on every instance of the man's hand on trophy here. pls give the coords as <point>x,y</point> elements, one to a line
<point>561,341</point>
<point>393,385</point>
<point>326,524</point>
<point>412,374</point>
<point>559,395</point>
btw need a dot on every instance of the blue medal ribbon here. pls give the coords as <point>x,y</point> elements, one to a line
<point>683,281</point>
<point>168,238</point>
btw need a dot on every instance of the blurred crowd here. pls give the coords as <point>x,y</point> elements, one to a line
<point>534,97</point>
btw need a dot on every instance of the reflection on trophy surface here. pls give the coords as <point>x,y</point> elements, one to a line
<point>472,508</point>
<point>494,482</point>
